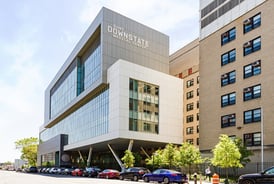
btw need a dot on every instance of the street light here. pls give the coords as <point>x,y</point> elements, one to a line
<point>262,139</point>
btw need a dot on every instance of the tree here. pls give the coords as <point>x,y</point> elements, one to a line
<point>128,159</point>
<point>28,147</point>
<point>245,153</point>
<point>226,154</point>
<point>169,155</point>
<point>156,160</point>
<point>188,155</point>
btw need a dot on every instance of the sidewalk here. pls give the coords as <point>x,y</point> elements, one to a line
<point>201,182</point>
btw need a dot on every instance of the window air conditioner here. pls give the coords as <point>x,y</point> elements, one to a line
<point>247,44</point>
<point>247,21</point>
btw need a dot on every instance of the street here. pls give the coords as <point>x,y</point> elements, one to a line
<point>12,177</point>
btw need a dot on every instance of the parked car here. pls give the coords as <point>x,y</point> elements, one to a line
<point>109,174</point>
<point>53,170</point>
<point>77,172</point>
<point>91,171</point>
<point>32,169</point>
<point>67,171</point>
<point>60,171</point>
<point>266,176</point>
<point>165,176</point>
<point>133,173</point>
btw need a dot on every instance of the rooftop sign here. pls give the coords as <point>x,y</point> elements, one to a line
<point>119,33</point>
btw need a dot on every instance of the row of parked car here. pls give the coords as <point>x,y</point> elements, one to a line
<point>132,173</point>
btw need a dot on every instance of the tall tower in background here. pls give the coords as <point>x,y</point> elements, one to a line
<point>236,72</point>
<point>184,64</point>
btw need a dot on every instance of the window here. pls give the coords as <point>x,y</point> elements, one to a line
<point>147,127</point>
<point>228,99</point>
<point>198,92</point>
<point>189,118</point>
<point>252,23</point>
<point>252,92</point>
<point>190,141</point>
<point>198,142</point>
<point>252,69</point>
<point>252,139</point>
<point>189,83</point>
<point>197,105</point>
<point>198,79</point>
<point>143,112</point>
<point>147,88</point>
<point>252,116</point>
<point>197,116</point>
<point>189,130</point>
<point>228,78</point>
<point>198,130</point>
<point>228,36</point>
<point>252,46</point>
<point>228,57</point>
<point>189,107</point>
<point>228,120</point>
<point>189,95</point>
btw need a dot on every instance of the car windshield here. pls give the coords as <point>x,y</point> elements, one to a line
<point>269,171</point>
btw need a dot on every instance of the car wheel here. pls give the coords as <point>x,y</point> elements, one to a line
<point>247,182</point>
<point>135,178</point>
<point>146,179</point>
<point>166,180</point>
<point>121,177</point>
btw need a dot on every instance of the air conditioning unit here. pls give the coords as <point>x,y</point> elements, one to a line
<point>256,63</point>
<point>247,21</point>
<point>247,44</point>
<point>224,76</point>
<point>246,90</point>
<point>225,35</point>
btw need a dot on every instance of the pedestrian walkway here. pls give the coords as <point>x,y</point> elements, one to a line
<point>201,182</point>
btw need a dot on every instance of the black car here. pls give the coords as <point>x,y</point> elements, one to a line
<point>266,176</point>
<point>91,171</point>
<point>133,173</point>
<point>32,169</point>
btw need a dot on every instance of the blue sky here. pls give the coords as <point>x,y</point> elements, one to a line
<point>37,36</point>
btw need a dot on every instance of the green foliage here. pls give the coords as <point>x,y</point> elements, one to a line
<point>156,160</point>
<point>128,159</point>
<point>188,155</point>
<point>172,156</point>
<point>28,147</point>
<point>138,158</point>
<point>169,155</point>
<point>245,153</point>
<point>226,154</point>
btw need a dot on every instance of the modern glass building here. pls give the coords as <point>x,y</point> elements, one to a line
<point>113,93</point>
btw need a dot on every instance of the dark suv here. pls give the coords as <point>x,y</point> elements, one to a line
<point>133,173</point>
<point>91,171</point>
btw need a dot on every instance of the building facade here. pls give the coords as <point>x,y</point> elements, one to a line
<point>236,93</point>
<point>184,64</point>
<point>113,93</point>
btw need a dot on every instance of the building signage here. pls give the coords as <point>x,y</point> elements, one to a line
<point>119,33</point>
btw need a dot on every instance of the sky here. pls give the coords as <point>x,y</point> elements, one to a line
<point>37,36</point>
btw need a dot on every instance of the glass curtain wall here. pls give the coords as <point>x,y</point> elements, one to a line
<point>88,121</point>
<point>143,107</point>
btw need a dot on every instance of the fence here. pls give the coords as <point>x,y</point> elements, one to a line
<point>253,167</point>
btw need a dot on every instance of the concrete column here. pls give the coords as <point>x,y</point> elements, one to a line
<point>89,156</point>
<point>130,145</point>
<point>116,157</point>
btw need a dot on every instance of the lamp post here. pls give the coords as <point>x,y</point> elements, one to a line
<point>262,139</point>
